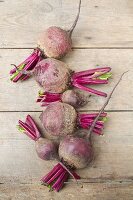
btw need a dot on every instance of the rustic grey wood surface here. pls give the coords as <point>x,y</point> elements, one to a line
<point>103,36</point>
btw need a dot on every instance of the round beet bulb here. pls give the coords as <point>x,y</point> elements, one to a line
<point>59,119</point>
<point>46,149</point>
<point>75,151</point>
<point>75,98</point>
<point>53,75</point>
<point>55,42</point>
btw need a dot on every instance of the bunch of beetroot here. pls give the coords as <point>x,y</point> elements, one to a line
<point>60,119</point>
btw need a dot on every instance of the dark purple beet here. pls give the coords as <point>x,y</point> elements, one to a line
<point>75,151</point>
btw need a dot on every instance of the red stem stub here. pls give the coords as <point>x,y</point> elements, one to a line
<point>45,98</point>
<point>26,65</point>
<point>30,128</point>
<point>91,77</point>
<point>85,121</point>
<point>56,178</point>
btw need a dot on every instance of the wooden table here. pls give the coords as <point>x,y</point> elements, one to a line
<point>103,36</point>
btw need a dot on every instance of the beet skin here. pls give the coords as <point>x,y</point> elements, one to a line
<point>75,151</point>
<point>59,119</point>
<point>53,75</point>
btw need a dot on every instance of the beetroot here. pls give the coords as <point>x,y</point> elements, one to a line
<point>60,119</point>
<point>45,148</point>
<point>75,151</point>
<point>54,42</point>
<point>73,97</point>
<point>55,76</point>
<point>52,74</point>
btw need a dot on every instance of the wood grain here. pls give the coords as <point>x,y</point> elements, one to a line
<point>102,23</point>
<point>113,152</point>
<point>92,191</point>
<point>22,96</point>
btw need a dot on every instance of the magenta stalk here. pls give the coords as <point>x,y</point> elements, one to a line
<point>26,65</point>
<point>56,178</point>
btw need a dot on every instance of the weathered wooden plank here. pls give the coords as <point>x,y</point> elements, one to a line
<point>22,96</point>
<point>102,23</point>
<point>93,191</point>
<point>113,151</point>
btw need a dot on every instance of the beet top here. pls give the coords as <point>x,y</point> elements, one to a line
<point>45,148</point>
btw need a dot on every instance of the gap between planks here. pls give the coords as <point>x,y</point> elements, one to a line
<point>15,48</point>
<point>81,181</point>
<point>39,111</point>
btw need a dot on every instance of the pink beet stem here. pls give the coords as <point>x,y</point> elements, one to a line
<point>91,120</point>
<point>12,71</point>
<point>64,179</point>
<point>25,61</point>
<point>99,126</point>
<point>33,124</point>
<point>28,132</point>
<point>28,66</point>
<point>56,175</point>
<point>51,173</point>
<point>91,81</point>
<point>90,90</point>
<point>25,77</point>
<point>91,115</point>
<point>67,170</point>
<point>91,71</point>
<point>76,175</point>
<point>29,124</point>
<point>48,98</point>
<point>59,180</point>
<point>97,131</point>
